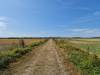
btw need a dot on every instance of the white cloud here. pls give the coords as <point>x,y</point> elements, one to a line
<point>91,31</point>
<point>3,24</point>
<point>85,31</point>
<point>3,18</point>
<point>15,34</point>
<point>78,30</point>
<point>97,13</point>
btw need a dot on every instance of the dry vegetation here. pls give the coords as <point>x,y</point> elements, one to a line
<point>81,56</point>
<point>16,48</point>
<point>90,45</point>
<point>16,41</point>
<point>86,63</point>
<point>6,44</point>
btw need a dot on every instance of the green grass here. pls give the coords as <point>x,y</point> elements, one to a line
<point>10,56</point>
<point>87,64</point>
<point>90,45</point>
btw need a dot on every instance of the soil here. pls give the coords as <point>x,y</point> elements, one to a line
<point>44,60</point>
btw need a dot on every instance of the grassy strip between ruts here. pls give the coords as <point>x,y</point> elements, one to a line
<point>86,63</point>
<point>10,56</point>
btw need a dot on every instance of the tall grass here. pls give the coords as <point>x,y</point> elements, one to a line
<point>9,56</point>
<point>92,46</point>
<point>87,64</point>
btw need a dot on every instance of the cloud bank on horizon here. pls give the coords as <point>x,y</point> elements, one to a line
<point>43,18</point>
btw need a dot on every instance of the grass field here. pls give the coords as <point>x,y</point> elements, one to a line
<point>91,45</point>
<point>12,49</point>
<point>6,44</point>
<point>83,53</point>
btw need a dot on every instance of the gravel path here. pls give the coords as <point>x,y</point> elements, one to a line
<point>46,61</point>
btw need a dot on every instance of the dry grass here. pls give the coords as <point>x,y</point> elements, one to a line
<point>10,44</point>
<point>16,41</point>
<point>86,63</point>
<point>11,55</point>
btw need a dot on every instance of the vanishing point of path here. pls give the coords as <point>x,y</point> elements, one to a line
<point>45,61</point>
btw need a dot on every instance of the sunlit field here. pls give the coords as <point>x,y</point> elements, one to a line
<point>6,44</point>
<point>12,49</point>
<point>91,45</point>
<point>83,53</point>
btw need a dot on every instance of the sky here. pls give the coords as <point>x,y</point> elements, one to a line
<point>43,18</point>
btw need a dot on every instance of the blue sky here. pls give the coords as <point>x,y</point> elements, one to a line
<point>49,18</point>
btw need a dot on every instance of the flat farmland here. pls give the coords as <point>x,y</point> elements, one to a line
<point>6,44</point>
<point>41,60</point>
<point>91,45</point>
<point>13,49</point>
<point>50,57</point>
<point>84,54</point>
<point>16,41</point>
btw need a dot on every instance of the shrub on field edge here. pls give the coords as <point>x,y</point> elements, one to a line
<point>11,55</point>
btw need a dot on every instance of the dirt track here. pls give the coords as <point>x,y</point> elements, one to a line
<point>45,61</point>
